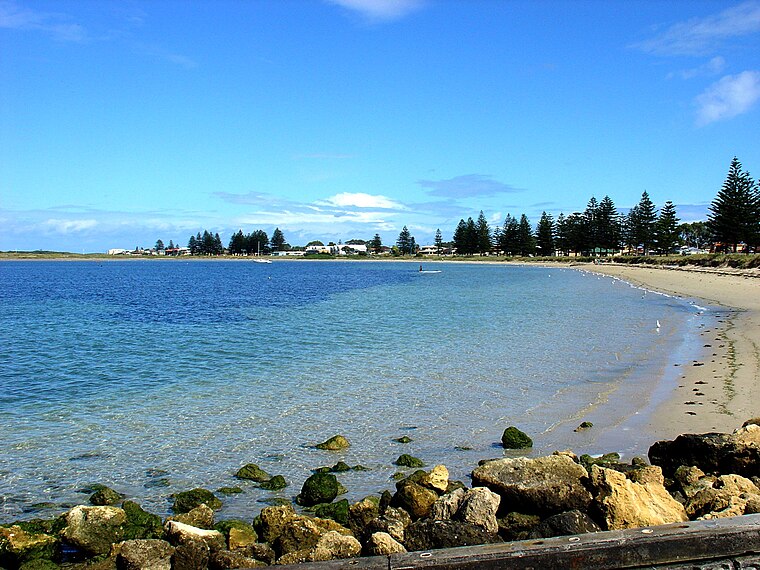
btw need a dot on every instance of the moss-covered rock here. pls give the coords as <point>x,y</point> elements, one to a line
<point>140,523</point>
<point>513,438</point>
<point>319,488</point>
<point>584,426</point>
<point>229,491</point>
<point>188,500</point>
<point>18,546</point>
<point>252,472</point>
<point>337,511</point>
<point>406,460</point>
<point>610,460</point>
<point>239,534</point>
<point>39,564</point>
<point>335,443</point>
<point>276,483</point>
<point>105,496</point>
<point>403,439</point>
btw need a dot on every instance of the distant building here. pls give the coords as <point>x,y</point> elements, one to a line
<point>117,251</point>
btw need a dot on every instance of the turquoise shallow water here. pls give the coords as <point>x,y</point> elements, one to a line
<point>159,376</point>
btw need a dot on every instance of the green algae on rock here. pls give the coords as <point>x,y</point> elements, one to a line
<point>513,438</point>
<point>335,443</point>
<point>252,472</point>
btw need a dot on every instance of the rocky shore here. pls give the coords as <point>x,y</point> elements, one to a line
<point>694,477</point>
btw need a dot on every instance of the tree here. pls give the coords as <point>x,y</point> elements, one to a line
<point>560,235</point>
<point>460,237</point>
<point>159,245</point>
<point>695,234</point>
<point>438,241</point>
<point>509,237</point>
<point>590,234</point>
<point>527,245</point>
<point>734,215</point>
<point>666,229</point>
<point>405,242</point>
<point>608,225</point>
<point>192,245</point>
<point>278,242</point>
<point>545,235</point>
<point>171,244</point>
<point>483,232</point>
<point>315,242</point>
<point>376,244</point>
<point>641,224</point>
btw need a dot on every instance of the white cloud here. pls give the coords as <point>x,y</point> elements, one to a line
<point>732,95</point>
<point>701,35</point>
<point>711,67</point>
<point>467,186</point>
<point>361,200</point>
<point>380,10</point>
<point>68,226</point>
<point>16,18</point>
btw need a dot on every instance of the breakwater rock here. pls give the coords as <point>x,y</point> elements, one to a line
<point>695,477</point>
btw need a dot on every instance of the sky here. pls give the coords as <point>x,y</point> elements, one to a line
<point>123,122</point>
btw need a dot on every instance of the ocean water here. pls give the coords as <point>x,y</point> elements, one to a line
<point>155,377</point>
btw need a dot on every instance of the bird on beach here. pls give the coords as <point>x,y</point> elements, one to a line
<point>658,325</point>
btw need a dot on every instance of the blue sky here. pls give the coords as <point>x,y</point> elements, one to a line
<point>123,122</point>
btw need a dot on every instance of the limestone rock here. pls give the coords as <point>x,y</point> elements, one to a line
<point>180,533</point>
<point>18,546</point>
<point>252,472</point>
<point>517,526</point>
<point>394,522</point>
<point>544,485</point>
<point>201,516</point>
<point>437,479</point>
<point>301,533</point>
<point>625,504</point>
<point>478,507</point>
<point>187,500</point>
<point>513,438</point>
<point>427,534</point>
<point>360,514</point>
<point>335,546</point>
<point>239,534</point>
<point>140,523</point>
<point>564,524</point>
<point>446,506</point>
<point>337,511</point>
<point>319,488</point>
<point>727,496</point>
<point>415,499</point>
<point>105,496</point>
<point>262,552</point>
<point>226,559</point>
<point>335,443</point>
<point>94,529</point>
<point>717,453</point>
<point>383,544</point>
<point>191,556</point>
<point>145,554</point>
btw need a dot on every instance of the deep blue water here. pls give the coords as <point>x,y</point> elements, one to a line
<point>142,373</point>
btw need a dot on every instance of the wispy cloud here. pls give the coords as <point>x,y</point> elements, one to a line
<point>68,226</point>
<point>168,56</point>
<point>698,36</point>
<point>467,186</point>
<point>380,10</point>
<point>712,67</point>
<point>362,200</point>
<point>55,24</point>
<point>732,95</point>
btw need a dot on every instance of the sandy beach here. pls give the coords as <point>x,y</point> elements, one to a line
<point>721,391</point>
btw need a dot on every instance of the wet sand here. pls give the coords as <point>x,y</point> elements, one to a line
<point>721,391</point>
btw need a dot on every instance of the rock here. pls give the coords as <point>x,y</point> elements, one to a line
<point>39,564</point>
<point>191,556</point>
<point>361,514</point>
<point>227,491</point>
<point>94,529</point>
<point>252,472</point>
<point>337,511</point>
<point>140,523</point>
<point>415,499</point>
<point>301,533</point>
<point>239,534</point>
<point>225,559</point>
<point>544,485</point>
<point>437,479</point>
<point>273,520</point>
<point>179,533</point>
<point>726,496</point>
<point>478,507</point>
<point>201,517</point>
<point>276,483</point>
<point>446,506</point>
<point>394,522</point>
<point>335,443</point>
<point>319,488</point>
<point>647,474</point>
<point>584,426</point>
<point>513,438</point>
<point>188,500</point>
<point>145,554</point>
<point>263,552</point>
<point>565,524</point>
<point>18,546</point>
<point>751,421</point>
<point>383,544</point>
<point>403,439</point>
<point>688,478</point>
<point>406,460</point>
<point>517,526</point>
<point>427,534</point>
<point>717,453</point>
<point>105,496</point>
<point>625,504</point>
<point>335,546</point>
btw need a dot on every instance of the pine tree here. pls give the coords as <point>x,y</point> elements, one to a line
<point>460,237</point>
<point>376,244</point>
<point>471,237</point>
<point>527,245</point>
<point>545,235</point>
<point>483,235</point>
<point>404,241</point>
<point>734,215</point>
<point>510,239</point>
<point>560,235</point>
<point>666,229</point>
<point>277,242</point>
<point>641,223</point>
<point>438,241</point>
<point>608,225</point>
<point>590,227</point>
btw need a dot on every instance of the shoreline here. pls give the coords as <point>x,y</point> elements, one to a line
<point>722,389</point>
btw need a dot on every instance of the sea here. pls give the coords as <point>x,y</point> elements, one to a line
<point>159,376</point>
